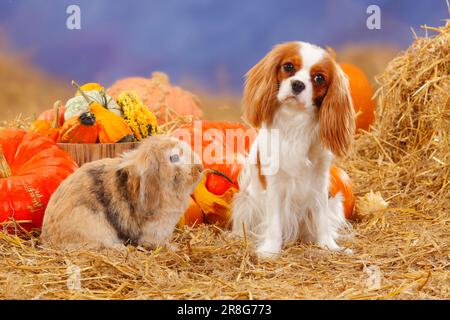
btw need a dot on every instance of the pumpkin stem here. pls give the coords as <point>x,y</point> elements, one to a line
<point>5,170</point>
<point>85,96</point>
<point>104,99</point>
<point>56,108</point>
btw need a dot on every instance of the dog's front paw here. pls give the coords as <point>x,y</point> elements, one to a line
<point>268,250</point>
<point>329,244</point>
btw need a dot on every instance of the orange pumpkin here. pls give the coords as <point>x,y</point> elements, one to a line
<point>157,93</point>
<point>82,129</point>
<point>231,167</point>
<point>49,115</point>
<point>217,208</point>
<point>193,215</point>
<point>361,91</point>
<point>31,168</point>
<point>340,183</point>
<point>48,128</point>
<point>215,192</point>
<point>225,135</point>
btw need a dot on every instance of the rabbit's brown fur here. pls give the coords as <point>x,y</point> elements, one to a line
<point>137,198</point>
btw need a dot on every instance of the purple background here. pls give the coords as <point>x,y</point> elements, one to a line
<point>209,42</point>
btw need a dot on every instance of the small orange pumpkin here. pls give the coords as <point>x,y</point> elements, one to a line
<point>49,115</point>
<point>361,91</point>
<point>215,192</point>
<point>82,129</point>
<point>193,215</point>
<point>229,166</point>
<point>340,182</point>
<point>48,128</point>
<point>217,208</point>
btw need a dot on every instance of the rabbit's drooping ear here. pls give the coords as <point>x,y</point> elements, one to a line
<point>336,115</point>
<point>143,169</point>
<point>150,190</point>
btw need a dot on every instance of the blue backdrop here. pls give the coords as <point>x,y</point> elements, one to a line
<point>210,42</point>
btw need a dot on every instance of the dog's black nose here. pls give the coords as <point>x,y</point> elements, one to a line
<point>297,86</point>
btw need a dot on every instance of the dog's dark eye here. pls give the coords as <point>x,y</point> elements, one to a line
<point>319,78</point>
<point>288,67</point>
<point>174,158</point>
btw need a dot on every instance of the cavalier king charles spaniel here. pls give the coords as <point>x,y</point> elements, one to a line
<point>299,99</point>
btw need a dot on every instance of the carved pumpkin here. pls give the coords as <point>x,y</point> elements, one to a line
<point>341,182</point>
<point>361,91</point>
<point>48,128</point>
<point>157,93</point>
<point>31,168</point>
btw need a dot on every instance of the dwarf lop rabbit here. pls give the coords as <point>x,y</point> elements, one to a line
<point>137,198</point>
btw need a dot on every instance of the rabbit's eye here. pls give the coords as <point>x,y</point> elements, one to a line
<point>174,158</point>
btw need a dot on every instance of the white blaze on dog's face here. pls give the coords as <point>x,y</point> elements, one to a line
<point>303,74</point>
<point>302,77</point>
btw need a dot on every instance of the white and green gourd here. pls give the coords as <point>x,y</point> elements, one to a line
<point>78,105</point>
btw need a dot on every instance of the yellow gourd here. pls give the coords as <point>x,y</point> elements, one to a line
<point>142,121</point>
<point>90,87</point>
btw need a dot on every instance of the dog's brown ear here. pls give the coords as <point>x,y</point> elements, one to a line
<point>337,116</point>
<point>261,87</point>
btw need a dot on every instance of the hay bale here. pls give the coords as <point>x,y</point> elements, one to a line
<point>409,147</point>
<point>415,99</point>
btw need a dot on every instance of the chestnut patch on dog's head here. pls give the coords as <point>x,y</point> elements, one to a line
<point>321,77</point>
<point>263,80</point>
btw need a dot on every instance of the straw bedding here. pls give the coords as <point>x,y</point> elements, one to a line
<point>400,251</point>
